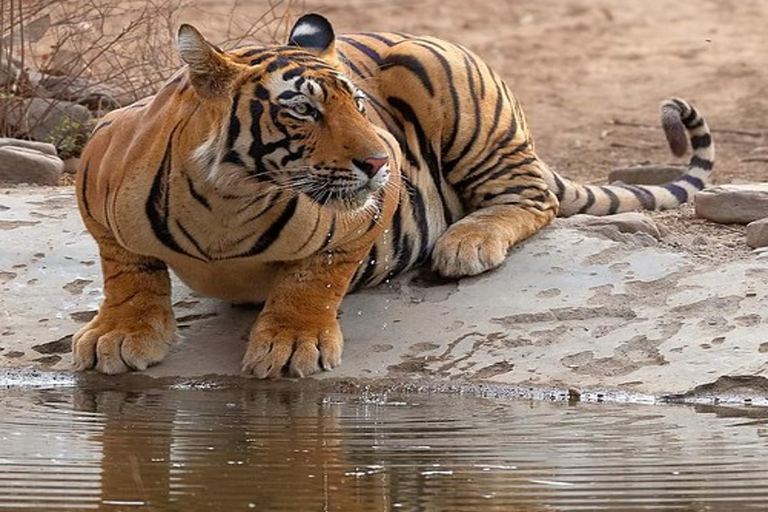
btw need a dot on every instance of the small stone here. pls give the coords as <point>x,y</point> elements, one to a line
<point>757,233</point>
<point>733,204</point>
<point>25,165</point>
<point>646,174</point>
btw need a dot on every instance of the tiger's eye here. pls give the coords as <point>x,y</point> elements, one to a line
<point>301,108</point>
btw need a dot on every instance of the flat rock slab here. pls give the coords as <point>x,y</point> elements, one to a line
<point>571,308</point>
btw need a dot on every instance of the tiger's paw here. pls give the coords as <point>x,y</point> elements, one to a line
<point>468,249</point>
<point>114,344</point>
<point>291,348</point>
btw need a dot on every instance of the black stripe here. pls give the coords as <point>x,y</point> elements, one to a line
<point>157,207</point>
<point>420,217</point>
<point>590,200</point>
<point>698,123</point>
<point>509,136</point>
<point>690,118</point>
<point>425,148</point>
<point>233,131</point>
<point>693,180</point>
<point>701,141</point>
<point>613,199</point>
<point>195,194</point>
<point>368,267</point>
<point>101,125</point>
<point>468,57</point>
<point>506,169</point>
<point>516,190</point>
<point>476,122</point>
<point>365,50</point>
<point>349,63</point>
<point>449,81</point>
<point>560,184</point>
<point>378,37</point>
<point>192,240</point>
<point>402,250</point>
<point>679,192</point>
<point>84,190</point>
<point>644,196</point>
<point>252,52</point>
<point>701,163</point>
<point>269,237</point>
<point>413,65</point>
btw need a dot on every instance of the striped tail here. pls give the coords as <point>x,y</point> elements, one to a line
<point>678,118</point>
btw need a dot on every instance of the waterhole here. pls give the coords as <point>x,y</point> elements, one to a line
<point>254,446</point>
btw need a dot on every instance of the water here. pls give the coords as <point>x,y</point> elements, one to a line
<point>247,445</point>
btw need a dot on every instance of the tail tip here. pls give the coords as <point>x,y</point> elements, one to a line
<point>672,113</point>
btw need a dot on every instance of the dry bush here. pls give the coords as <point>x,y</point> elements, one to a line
<point>104,53</point>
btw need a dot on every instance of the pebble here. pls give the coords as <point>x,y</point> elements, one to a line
<point>757,233</point>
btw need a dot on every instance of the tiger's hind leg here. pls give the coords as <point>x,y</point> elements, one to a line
<point>508,203</point>
<point>134,327</point>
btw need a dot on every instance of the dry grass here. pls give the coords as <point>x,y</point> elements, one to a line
<point>120,50</point>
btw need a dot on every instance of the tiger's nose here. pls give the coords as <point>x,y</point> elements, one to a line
<point>371,166</point>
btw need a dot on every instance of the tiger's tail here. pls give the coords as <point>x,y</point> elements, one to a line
<point>681,122</point>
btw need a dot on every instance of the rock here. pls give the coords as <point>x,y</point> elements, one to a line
<point>47,120</point>
<point>70,165</point>
<point>646,174</point>
<point>630,222</point>
<point>26,165</point>
<point>8,72</point>
<point>733,204</point>
<point>757,233</point>
<point>43,147</point>
<point>78,90</point>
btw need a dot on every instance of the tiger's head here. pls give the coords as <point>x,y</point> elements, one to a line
<point>288,117</point>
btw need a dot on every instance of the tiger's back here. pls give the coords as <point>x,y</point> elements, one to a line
<point>467,147</point>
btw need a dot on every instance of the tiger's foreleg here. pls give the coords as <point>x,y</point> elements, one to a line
<point>134,327</point>
<point>297,332</point>
<point>505,209</point>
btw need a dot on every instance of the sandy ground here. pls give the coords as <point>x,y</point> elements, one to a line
<point>591,76</point>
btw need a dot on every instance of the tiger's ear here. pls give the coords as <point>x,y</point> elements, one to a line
<point>209,70</point>
<point>314,33</point>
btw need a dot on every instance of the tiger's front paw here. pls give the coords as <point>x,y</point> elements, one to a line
<point>113,343</point>
<point>468,249</point>
<point>292,347</point>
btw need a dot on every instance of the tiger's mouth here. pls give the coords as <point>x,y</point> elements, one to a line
<point>350,192</point>
<point>346,198</point>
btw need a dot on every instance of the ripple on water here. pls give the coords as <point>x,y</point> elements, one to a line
<point>252,448</point>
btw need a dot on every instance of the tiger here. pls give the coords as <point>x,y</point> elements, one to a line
<point>291,174</point>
